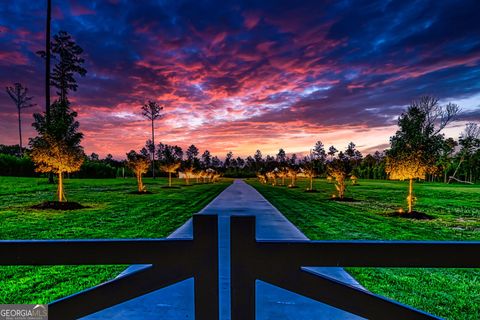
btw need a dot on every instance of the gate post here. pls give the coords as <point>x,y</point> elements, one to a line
<point>205,260</point>
<point>243,260</point>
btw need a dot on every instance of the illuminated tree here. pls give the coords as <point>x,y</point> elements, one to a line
<point>310,172</point>
<point>57,147</point>
<point>416,146</point>
<point>282,173</point>
<point>197,175</point>
<point>151,111</point>
<point>408,167</point>
<point>210,175</point>
<point>51,155</point>
<point>19,95</point>
<point>139,165</point>
<point>272,176</point>
<point>354,180</point>
<point>216,177</point>
<point>340,169</point>
<point>170,168</point>
<point>188,172</point>
<point>69,62</point>
<point>292,173</point>
<point>201,174</point>
<point>340,185</point>
<point>262,178</point>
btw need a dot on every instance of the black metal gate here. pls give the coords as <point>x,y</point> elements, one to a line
<point>281,263</point>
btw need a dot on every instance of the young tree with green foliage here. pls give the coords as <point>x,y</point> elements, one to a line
<point>170,168</point>
<point>309,169</point>
<point>57,147</point>
<point>20,96</point>
<point>139,164</point>
<point>408,166</point>
<point>340,168</point>
<point>417,144</point>
<point>188,172</point>
<point>69,62</point>
<point>292,173</point>
<point>282,173</point>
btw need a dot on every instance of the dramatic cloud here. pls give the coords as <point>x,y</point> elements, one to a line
<point>242,75</point>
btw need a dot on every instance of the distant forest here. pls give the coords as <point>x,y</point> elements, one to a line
<point>371,166</point>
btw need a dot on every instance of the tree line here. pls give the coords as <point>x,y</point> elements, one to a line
<point>459,156</point>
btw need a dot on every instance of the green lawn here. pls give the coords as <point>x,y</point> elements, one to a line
<point>112,213</point>
<point>448,293</point>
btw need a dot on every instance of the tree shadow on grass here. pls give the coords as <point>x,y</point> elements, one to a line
<point>56,205</point>
<point>140,192</point>
<point>412,215</point>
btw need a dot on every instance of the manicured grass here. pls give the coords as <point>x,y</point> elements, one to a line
<point>113,213</point>
<point>448,293</point>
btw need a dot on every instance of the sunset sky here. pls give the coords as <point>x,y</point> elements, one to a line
<point>245,75</point>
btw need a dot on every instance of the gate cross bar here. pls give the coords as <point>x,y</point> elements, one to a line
<point>169,260</point>
<point>282,263</point>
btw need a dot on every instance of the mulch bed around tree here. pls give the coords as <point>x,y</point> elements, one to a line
<point>56,205</point>
<point>293,187</point>
<point>311,191</point>
<point>343,199</point>
<point>172,187</point>
<point>412,215</point>
<point>140,192</point>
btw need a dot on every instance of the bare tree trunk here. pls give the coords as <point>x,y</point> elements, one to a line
<point>456,169</point>
<point>410,196</point>
<point>140,183</point>
<point>153,156</point>
<point>60,193</point>
<point>311,183</point>
<point>169,179</point>
<point>20,130</point>
<point>47,60</point>
<point>47,70</point>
